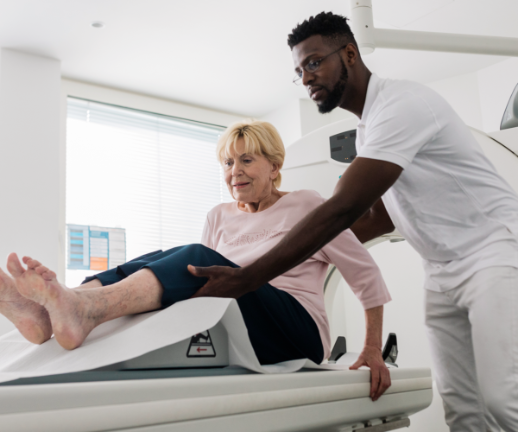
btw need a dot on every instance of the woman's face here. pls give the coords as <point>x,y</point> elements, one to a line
<point>249,177</point>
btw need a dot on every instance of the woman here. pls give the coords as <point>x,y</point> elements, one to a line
<point>285,319</point>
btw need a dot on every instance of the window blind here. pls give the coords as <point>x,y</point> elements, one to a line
<point>153,175</point>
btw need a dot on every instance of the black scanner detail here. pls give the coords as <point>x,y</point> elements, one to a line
<point>342,146</point>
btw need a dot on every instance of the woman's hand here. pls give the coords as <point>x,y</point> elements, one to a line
<point>380,375</point>
<point>223,281</point>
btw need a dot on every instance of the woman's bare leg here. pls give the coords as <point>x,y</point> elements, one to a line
<point>74,313</point>
<point>31,319</point>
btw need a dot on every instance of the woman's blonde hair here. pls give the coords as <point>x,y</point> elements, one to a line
<point>260,138</point>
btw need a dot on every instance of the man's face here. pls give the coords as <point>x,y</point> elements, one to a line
<point>327,85</point>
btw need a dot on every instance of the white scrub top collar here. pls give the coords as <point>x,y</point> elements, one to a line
<point>372,93</point>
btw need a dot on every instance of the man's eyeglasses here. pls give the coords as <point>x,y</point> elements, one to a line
<point>312,66</point>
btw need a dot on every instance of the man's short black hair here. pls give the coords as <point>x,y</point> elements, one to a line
<point>328,25</point>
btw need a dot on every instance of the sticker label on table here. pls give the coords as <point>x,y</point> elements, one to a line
<point>201,346</point>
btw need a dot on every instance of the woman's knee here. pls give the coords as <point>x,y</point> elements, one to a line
<point>200,255</point>
<point>203,255</point>
<point>196,248</point>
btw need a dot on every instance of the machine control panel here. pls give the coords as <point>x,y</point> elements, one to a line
<point>343,146</point>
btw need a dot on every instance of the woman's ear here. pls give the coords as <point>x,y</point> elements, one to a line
<point>275,171</point>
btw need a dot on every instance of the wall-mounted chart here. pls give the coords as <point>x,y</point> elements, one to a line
<point>95,248</point>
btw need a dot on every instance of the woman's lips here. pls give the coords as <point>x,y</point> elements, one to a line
<point>240,185</point>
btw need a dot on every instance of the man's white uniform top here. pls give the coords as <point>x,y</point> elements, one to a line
<point>449,203</point>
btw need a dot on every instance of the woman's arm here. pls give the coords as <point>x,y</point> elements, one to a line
<point>363,276</point>
<point>371,355</point>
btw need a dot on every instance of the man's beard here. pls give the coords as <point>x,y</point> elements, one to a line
<point>335,95</point>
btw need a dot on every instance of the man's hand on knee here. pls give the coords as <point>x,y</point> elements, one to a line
<point>223,281</point>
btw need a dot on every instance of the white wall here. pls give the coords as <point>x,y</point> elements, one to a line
<point>147,103</point>
<point>480,97</point>
<point>311,119</point>
<point>287,121</point>
<point>29,158</point>
<point>462,92</point>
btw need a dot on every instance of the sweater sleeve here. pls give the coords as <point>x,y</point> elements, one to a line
<point>358,268</point>
<point>206,236</point>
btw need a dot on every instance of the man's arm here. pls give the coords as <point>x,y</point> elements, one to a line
<point>374,223</point>
<point>361,186</point>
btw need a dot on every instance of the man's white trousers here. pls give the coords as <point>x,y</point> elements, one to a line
<point>473,333</point>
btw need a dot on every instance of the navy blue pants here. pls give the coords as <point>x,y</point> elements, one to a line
<point>279,328</point>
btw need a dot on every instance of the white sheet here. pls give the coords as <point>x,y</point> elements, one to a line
<point>129,337</point>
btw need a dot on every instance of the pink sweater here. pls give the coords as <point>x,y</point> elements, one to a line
<point>244,237</point>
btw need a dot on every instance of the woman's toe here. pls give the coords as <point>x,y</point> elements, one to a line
<point>14,266</point>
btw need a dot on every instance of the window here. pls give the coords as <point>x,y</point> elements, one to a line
<point>154,176</point>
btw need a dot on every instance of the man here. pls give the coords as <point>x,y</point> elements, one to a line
<point>442,194</point>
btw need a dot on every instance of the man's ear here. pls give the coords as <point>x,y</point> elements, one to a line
<point>351,54</point>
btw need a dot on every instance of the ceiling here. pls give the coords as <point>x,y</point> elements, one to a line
<point>229,55</point>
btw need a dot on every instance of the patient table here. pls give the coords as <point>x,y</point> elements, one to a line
<point>217,400</point>
<point>198,394</point>
<point>144,381</point>
<point>189,384</point>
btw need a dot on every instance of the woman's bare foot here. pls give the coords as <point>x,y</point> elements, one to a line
<point>67,311</point>
<point>31,319</point>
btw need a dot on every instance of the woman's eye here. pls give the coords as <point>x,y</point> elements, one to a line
<point>247,160</point>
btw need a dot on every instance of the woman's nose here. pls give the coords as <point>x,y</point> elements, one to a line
<point>236,168</point>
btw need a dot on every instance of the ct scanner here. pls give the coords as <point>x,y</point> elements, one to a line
<point>167,391</point>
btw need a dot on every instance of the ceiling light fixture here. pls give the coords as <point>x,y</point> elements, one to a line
<point>98,24</point>
<point>369,38</point>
